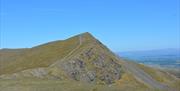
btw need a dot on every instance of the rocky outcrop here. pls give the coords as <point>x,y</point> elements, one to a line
<point>92,64</point>
<point>89,62</point>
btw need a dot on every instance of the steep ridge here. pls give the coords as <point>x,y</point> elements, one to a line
<point>80,58</point>
<point>90,62</point>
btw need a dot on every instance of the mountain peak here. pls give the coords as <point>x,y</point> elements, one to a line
<point>87,34</point>
<point>79,58</point>
<point>85,37</point>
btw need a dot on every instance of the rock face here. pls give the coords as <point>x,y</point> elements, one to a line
<point>91,66</point>
<point>90,61</point>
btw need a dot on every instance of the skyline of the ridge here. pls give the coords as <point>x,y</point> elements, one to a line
<point>125,25</point>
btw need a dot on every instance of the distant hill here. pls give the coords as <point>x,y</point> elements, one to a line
<point>80,60</point>
<point>166,59</point>
<point>161,57</point>
<point>151,53</point>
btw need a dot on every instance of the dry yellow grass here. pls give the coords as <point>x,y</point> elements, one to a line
<point>40,56</point>
<point>129,82</point>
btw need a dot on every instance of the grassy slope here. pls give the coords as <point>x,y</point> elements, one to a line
<point>69,85</point>
<point>44,55</point>
<point>161,76</point>
<point>40,56</point>
<point>126,83</point>
<point>10,54</point>
<point>173,71</point>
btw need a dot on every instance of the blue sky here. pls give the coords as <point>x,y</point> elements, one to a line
<point>122,25</point>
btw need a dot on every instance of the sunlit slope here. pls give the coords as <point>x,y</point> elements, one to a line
<point>161,76</point>
<point>11,54</point>
<point>83,60</point>
<point>89,61</point>
<point>39,56</point>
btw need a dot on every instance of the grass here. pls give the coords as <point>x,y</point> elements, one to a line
<point>53,85</point>
<point>40,56</point>
<point>157,75</point>
<point>45,55</point>
<point>127,83</point>
<point>162,76</point>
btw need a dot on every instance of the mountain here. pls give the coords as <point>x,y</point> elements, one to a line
<point>78,63</point>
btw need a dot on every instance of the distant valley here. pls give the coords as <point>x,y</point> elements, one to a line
<point>168,59</point>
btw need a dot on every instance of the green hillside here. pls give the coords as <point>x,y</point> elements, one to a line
<point>80,63</point>
<point>39,56</point>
